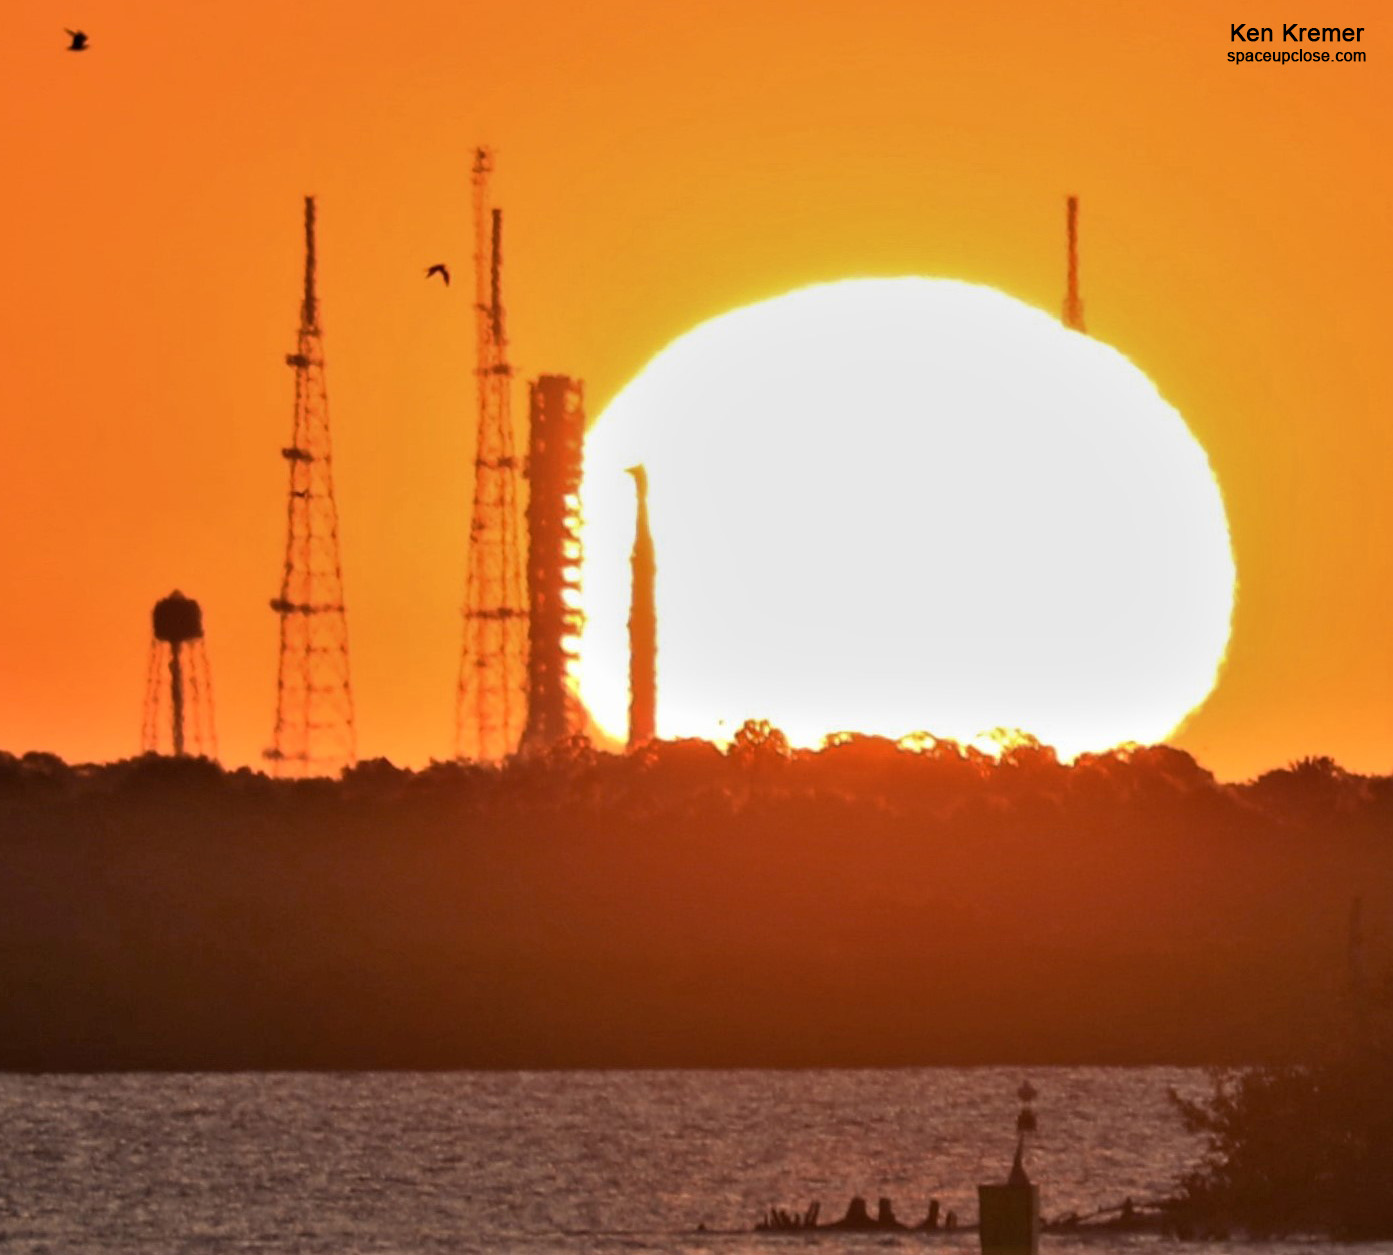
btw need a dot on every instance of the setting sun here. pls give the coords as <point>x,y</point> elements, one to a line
<point>891,505</point>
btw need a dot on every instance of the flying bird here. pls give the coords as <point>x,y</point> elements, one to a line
<point>440,269</point>
<point>79,40</point>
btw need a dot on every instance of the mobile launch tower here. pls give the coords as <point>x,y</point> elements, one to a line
<point>556,437</point>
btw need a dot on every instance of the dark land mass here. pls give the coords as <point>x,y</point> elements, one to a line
<point>866,905</point>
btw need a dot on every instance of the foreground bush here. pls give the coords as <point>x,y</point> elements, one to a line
<point>1300,1149</point>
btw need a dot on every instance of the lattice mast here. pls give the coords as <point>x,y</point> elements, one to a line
<point>314,733</point>
<point>490,700</point>
<point>556,436</point>
<point>643,624</point>
<point>1073,302</point>
<point>178,715</point>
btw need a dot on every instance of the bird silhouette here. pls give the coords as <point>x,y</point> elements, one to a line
<point>79,40</point>
<point>440,269</point>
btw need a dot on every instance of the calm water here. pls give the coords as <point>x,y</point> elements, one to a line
<point>560,1162</point>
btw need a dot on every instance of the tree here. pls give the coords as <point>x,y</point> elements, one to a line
<point>1302,1148</point>
<point>758,742</point>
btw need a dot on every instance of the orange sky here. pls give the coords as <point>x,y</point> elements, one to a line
<point>657,164</point>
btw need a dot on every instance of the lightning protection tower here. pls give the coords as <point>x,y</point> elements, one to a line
<point>179,687</point>
<point>1073,302</point>
<point>490,701</point>
<point>556,427</point>
<point>314,702</point>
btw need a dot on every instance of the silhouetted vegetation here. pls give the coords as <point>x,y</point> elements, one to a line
<point>872,903</point>
<point>1303,1148</point>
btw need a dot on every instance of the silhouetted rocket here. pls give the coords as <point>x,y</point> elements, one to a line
<point>643,625</point>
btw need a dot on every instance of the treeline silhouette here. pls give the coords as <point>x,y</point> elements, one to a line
<point>871,903</point>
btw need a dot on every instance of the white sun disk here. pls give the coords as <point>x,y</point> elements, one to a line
<point>897,505</point>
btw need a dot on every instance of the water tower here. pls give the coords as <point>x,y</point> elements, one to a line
<point>178,688</point>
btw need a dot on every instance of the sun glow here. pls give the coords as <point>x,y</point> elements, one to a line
<point>892,505</point>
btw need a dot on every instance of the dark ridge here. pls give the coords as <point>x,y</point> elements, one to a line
<point>866,905</point>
